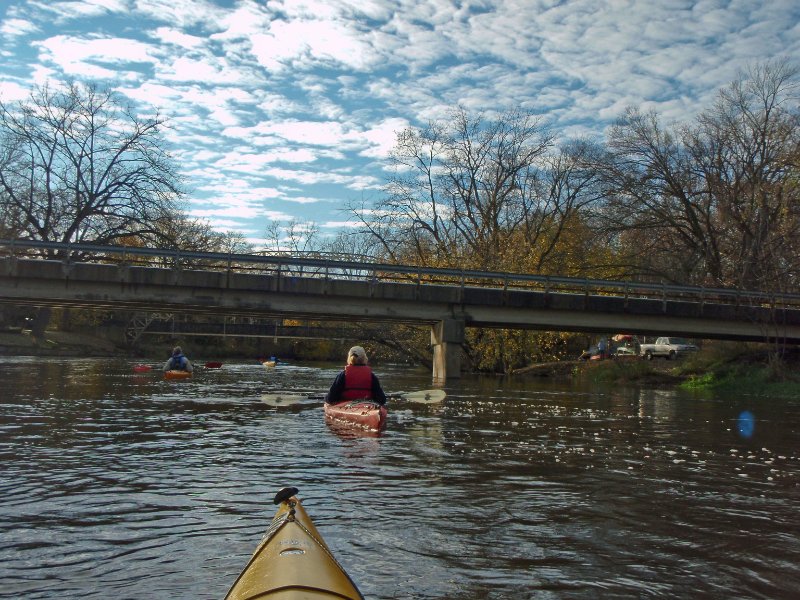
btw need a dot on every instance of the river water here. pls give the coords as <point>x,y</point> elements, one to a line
<point>122,485</point>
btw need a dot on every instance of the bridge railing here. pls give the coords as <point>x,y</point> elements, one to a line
<point>291,265</point>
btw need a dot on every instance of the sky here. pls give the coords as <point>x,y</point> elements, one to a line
<point>287,109</point>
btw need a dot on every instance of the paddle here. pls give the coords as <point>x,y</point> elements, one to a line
<point>289,398</point>
<point>421,397</point>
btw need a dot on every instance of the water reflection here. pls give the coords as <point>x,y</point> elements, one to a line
<point>124,484</point>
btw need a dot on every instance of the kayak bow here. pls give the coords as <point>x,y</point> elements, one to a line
<point>292,561</point>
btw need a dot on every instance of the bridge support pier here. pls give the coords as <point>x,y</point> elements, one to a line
<point>447,336</point>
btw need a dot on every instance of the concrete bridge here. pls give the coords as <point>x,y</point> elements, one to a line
<point>320,288</point>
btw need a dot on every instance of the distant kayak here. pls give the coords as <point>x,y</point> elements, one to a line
<point>142,368</point>
<point>177,374</point>
<point>359,413</point>
<point>292,561</point>
<point>270,363</point>
<point>213,365</point>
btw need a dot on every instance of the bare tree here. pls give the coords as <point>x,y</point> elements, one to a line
<point>76,165</point>
<point>656,206</point>
<point>292,236</point>
<point>747,151</point>
<point>457,188</point>
<point>485,193</point>
<point>715,202</point>
<point>233,242</point>
<point>355,244</point>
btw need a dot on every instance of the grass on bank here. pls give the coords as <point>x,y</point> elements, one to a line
<point>752,369</point>
<point>619,371</point>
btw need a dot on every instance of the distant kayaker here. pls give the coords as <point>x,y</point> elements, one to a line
<point>357,381</point>
<point>177,362</point>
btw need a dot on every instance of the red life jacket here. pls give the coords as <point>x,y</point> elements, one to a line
<point>357,382</point>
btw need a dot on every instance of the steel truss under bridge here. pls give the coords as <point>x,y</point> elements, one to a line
<point>167,324</point>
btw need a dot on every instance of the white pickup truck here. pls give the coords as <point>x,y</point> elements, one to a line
<point>668,347</point>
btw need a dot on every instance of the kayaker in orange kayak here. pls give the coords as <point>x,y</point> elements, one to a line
<point>178,362</point>
<point>356,381</point>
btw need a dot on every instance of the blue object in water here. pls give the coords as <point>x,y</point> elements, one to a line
<point>746,424</point>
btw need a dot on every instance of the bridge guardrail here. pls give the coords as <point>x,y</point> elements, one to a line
<point>290,265</point>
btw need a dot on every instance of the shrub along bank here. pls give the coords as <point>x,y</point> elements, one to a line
<point>751,369</point>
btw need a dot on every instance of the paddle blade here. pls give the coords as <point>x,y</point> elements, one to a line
<point>288,399</point>
<point>424,396</point>
<point>282,399</point>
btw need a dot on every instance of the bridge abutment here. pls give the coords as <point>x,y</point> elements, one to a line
<point>447,336</point>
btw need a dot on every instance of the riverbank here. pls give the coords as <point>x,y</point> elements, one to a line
<point>609,371</point>
<point>71,343</point>
<point>740,368</point>
<point>750,369</point>
<point>56,343</point>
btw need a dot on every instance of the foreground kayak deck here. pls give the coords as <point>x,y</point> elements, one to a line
<point>292,561</point>
<point>361,413</point>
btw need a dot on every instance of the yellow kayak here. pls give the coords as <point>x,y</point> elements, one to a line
<point>292,561</point>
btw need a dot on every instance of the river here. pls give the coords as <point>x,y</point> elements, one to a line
<point>123,485</point>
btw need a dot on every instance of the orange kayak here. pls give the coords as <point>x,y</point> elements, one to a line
<point>292,561</point>
<point>177,374</point>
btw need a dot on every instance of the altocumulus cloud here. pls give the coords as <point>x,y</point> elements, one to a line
<point>288,108</point>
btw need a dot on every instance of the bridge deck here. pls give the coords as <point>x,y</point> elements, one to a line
<point>56,283</point>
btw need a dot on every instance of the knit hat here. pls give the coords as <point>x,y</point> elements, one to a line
<point>358,352</point>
